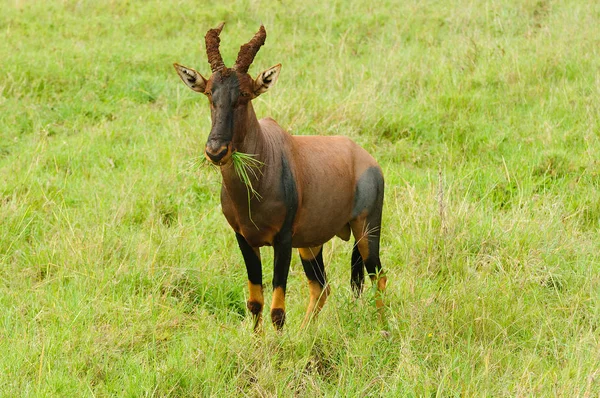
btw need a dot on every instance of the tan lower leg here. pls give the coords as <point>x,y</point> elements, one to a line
<point>318,296</point>
<point>278,308</point>
<point>255,304</point>
<point>381,281</point>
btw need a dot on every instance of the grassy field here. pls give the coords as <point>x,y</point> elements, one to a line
<point>119,275</point>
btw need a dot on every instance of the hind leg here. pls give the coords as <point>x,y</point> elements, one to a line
<point>312,261</point>
<point>366,228</point>
<point>357,277</point>
<point>366,231</point>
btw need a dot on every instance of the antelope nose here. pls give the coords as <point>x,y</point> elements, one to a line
<point>215,152</point>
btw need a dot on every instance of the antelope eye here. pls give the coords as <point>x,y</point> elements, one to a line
<point>244,94</point>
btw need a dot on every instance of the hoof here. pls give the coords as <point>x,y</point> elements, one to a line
<point>278,317</point>
<point>254,307</point>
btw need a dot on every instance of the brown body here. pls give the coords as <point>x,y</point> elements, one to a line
<point>309,188</point>
<point>313,160</point>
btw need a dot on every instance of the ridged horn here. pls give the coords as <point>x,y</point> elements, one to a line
<point>248,51</point>
<point>212,41</point>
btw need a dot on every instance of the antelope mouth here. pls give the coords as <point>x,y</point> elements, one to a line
<point>220,157</point>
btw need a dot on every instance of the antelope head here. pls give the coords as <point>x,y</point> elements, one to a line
<point>229,91</point>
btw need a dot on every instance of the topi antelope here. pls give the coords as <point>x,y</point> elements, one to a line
<point>310,188</point>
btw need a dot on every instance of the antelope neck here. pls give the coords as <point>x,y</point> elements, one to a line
<point>248,138</point>
<point>247,135</point>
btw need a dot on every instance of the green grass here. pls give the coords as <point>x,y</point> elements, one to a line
<point>247,168</point>
<point>119,275</point>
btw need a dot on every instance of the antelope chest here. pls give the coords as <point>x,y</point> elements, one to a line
<point>258,222</point>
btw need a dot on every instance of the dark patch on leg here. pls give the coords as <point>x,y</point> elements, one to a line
<point>369,199</point>
<point>283,254</point>
<point>278,317</point>
<point>373,266</point>
<point>254,269</point>
<point>372,262</point>
<point>254,307</point>
<point>315,268</point>
<point>368,195</point>
<point>252,261</point>
<point>282,244</point>
<point>368,203</point>
<point>358,272</point>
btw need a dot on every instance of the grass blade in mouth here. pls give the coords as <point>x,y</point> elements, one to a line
<point>246,167</point>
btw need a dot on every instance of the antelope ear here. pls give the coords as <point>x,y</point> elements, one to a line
<point>191,78</point>
<point>266,79</point>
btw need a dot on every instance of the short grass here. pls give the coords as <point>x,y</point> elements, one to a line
<point>120,277</point>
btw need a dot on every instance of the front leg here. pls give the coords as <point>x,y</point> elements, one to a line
<point>282,246</point>
<point>254,268</point>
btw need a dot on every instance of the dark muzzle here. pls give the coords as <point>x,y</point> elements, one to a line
<point>217,152</point>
